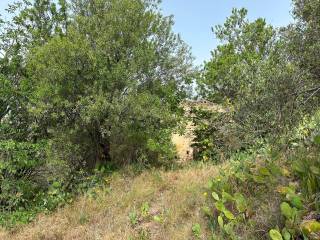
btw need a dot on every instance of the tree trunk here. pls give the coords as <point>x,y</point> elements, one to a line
<point>106,151</point>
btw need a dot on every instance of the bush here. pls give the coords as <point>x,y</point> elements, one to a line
<point>236,198</point>
<point>217,136</point>
<point>21,173</point>
<point>306,167</point>
<point>30,182</point>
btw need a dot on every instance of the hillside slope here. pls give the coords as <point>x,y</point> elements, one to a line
<point>152,205</point>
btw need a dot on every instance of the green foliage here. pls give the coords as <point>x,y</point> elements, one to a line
<point>304,46</point>
<point>115,93</point>
<point>260,71</point>
<point>267,80</point>
<point>217,136</point>
<point>307,167</point>
<point>145,209</point>
<point>296,204</point>
<point>244,45</point>
<point>21,165</point>
<point>287,211</point>
<point>85,85</point>
<point>292,219</point>
<point>158,218</point>
<point>33,23</point>
<point>210,139</point>
<point>100,82</point>
<point>311,229</point>
<point>83,218</point>
<point>196,230</point>
<point>12,219</point>
<point>275,234</point>
<point>133,217</point>
<point>235,193</point>
<point>47,193</point>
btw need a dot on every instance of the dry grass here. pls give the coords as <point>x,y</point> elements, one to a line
<point>176,196</point>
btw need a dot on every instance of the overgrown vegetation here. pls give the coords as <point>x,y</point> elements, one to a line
<point>90,87</point>
<point>268,83</point>
<point>85,84</point>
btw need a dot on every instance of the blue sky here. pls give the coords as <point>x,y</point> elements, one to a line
<point>194,18</point>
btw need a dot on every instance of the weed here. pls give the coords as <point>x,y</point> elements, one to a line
<point>84,218</point>
<point>145,209</point>
<point>196,230</point>
<point>144,235</point>
<point>158,218</point>
<point>133,217</point>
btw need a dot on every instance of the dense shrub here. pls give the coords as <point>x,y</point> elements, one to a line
<point>85,85</point>
<point>218,136</point>
<point>270,78</point>
<point>236,196</point>
<point>22,173</point>
<point>262,72</point>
